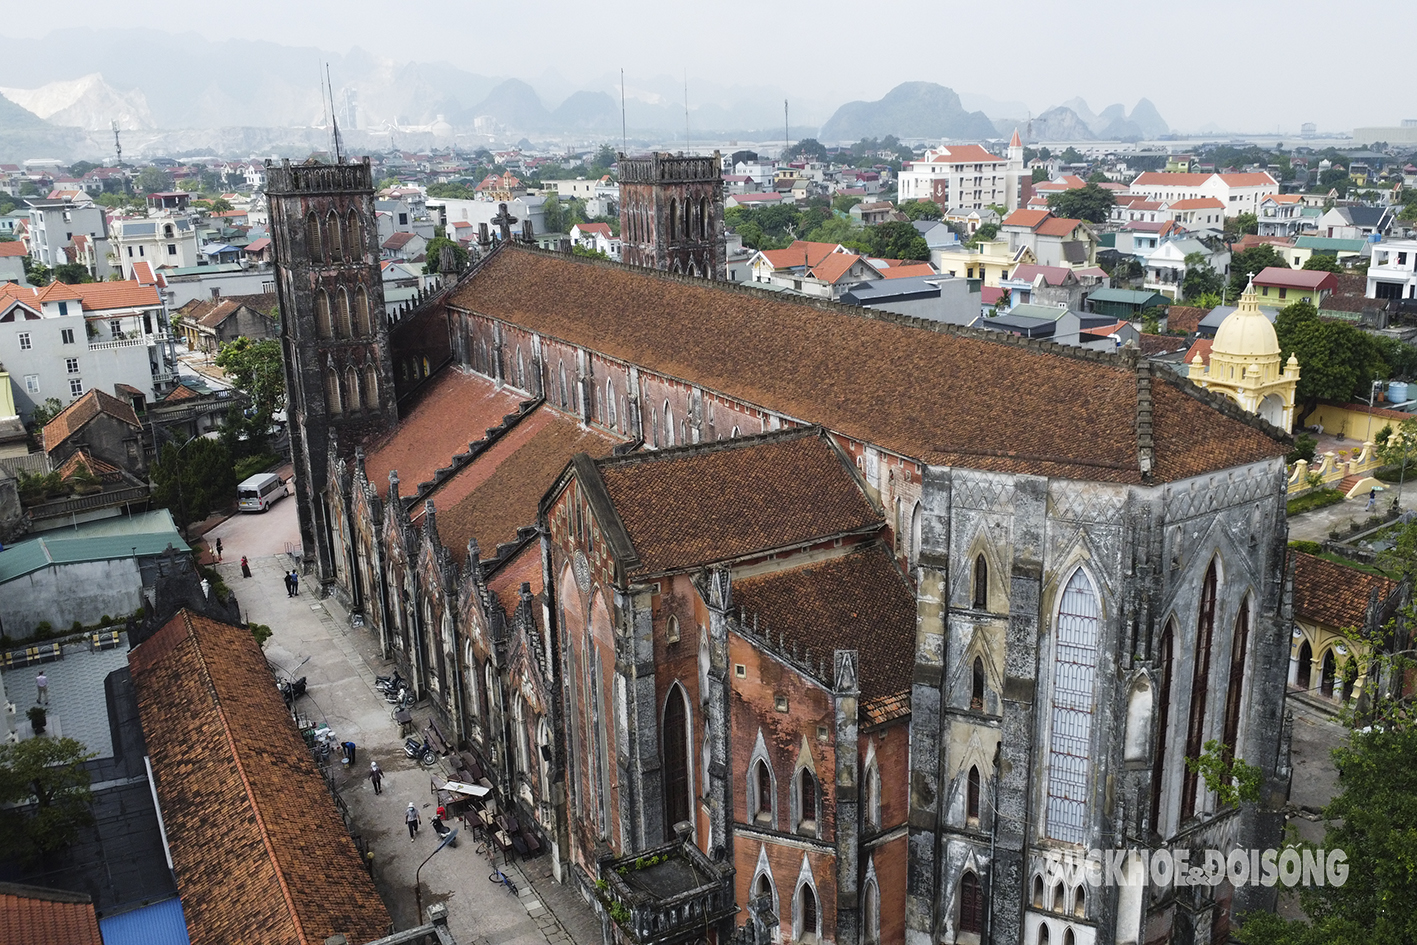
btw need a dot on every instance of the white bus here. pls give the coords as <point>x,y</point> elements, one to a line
<point>261,492</point>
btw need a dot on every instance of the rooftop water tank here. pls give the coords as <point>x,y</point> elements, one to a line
<point>1397,392</point>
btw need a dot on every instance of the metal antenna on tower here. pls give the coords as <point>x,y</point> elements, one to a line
<point>334,122</point>
<point>786,134</point>
<point>624,137</point>
<point>117,144</point>
<point>687,146</point>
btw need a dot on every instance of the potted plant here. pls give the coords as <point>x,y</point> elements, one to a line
<point>38,718</point>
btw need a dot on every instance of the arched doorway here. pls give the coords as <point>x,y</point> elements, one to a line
<point>1329,674</point>
<point>1306,661</point>
<point>1272,410</point>
<point>674,739</point>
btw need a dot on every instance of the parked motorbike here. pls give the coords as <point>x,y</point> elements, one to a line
<point>390,684</point>
<point>442,830</point>
<point>291,690</point>
<point>420,751</point>
<point>402,699</point>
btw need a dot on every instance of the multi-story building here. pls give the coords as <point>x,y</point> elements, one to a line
<point>1392,274</point>
<point>55,223</point>
<point>1281,215</point>
<point>966,177</point>
<point>63,340</point>
<point>1054,241</point>
<point>671,214</point>
<point>164,242</point>
<point>1238,193</point>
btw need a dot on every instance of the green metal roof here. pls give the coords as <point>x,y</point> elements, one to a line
<point>142,537</point>
<point>1330,244</point>
<point>1129,296</point>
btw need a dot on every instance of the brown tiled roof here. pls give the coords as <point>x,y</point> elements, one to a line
<point>857,601</point>
<point>688,507</point>
<point>180,392</point>
<point>1182,428</point>
<point>1185,318</point>
<point>1152,345</point>
<point>891,387</point>
<point>33,915</point>
<point>524,567</point>
<point>74,417</point>
<point>1333,595</point>
<point>1058,226</point>
<point>82,460</point>
<point>1200,349</point>
<point>457,410</point>
<point>883,709</point>
<point>501,490</point>
<point>259,851</point>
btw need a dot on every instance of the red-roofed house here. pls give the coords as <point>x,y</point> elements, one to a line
<point>1197,212</point>
<point>1277,287</point>
<point>965,177</point>
<point>404,246</point>
<point>801,255</point>
<point>597,237</point>
<point>1054,241</point>
<point>12,261</point>
<point>1238,193</point>
<point>1281,215</point>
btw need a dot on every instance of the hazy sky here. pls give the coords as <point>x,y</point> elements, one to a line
<point>1232,63</point>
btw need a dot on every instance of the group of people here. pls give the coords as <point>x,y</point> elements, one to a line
<point>292,583</point>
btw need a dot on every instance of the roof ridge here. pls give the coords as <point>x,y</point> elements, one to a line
<point>1226,406</point>
<point>785,434</point>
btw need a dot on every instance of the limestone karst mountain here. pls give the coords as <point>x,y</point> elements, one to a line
<point>87,102</point>
<point>910,110</point>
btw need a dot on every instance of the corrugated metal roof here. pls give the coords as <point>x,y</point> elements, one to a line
<point>162,923</point>
<point>1131,296</point>
<point>1330,243</point>
<point>67,547</point>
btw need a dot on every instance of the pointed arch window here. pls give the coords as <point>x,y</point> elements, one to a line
<point>563,386</point>
<point>668,425</point>
<point>324,325</point>
<point>873,795</point>
<point>703,218</point>
<point>314,246</point>
<point>806,801</point>
<point>1038,892</point>
<point>971,904</point>
<point>762,790</point>
<point>1079,901</point>
<point>1044,936</point>
<point>342,316</point>
<point>351,381</point>
<point>333,236</point>
<point>1200,686</point>
<point>673,218</point>
<point>1070,744</point>
<point>808,926</point>
<point>976,686</point>
<point>872,908</point>
<point>610,404</point>
<point>1236,684</point>
<point>1058,897</point>
<point>333,396</point>
<point>1163,722</point>
<point>971,801</point>
<point>676,742</point>
<point>981,583</point>
<point>371,386</point>
<point>353,237</point>
<point>361,313</point>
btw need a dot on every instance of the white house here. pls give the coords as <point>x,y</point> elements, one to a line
<point>12,261</point>
<point>1281,215</point>
<point>1392,274</point>
<point>1197,213</point>
<point>596,237</point>
<point>1166,265</point>
<point>1238,193</point>
<point>524,207</point>
<point>165,242</point>
<point>55,223</point>
<point>965,177</point>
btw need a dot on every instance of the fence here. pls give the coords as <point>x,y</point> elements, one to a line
<point>1333,467</point>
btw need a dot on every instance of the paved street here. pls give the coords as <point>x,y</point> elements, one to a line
<point>1315,780</point>
<point>312,638</point>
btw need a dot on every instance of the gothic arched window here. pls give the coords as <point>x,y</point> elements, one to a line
<point>332,229</point>
<point>351,380</point>
<point>1235,687</point>
<point>1163,723</point>
<point>807,912</point>
<point>364,323</point>
<point>324,326</point>
<point>762,788</point>
<point>342,317</point>
<point>673,218</point>
<point>610,404</point>
<point>806,801</point>
<point>872,907</point>
<point>1070,745</point>
<point>1200,686</point>
<point>353,237</point>
<point>703,218</point>
<point>333,396</point>
<point>971,904</point>
<point>976,685</point>
<point>873,795</point>
<point>313,244</point>
<point>981,583</point>
<point>675,739</point>
<point>971,803</point>
<point>668,425</point>
<point>371,386</point>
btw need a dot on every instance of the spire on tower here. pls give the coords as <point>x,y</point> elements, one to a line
<point>1015,141</point>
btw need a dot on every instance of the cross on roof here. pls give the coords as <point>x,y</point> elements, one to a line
<point>504,220</point>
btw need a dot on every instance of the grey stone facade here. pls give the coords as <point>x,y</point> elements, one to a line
<point>671,214</point>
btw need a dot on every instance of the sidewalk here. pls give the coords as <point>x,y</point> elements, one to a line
<point>312,638</point>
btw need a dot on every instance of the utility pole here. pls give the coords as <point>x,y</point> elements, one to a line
<point>786,134</point>
<point>117,144</point>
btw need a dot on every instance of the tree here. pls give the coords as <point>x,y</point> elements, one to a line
<point>985,233</point>
<point>45,795</point>
<point>1322,262</point>
<point>1070,156</point>
<point>843,203</point>
<point>810,148</point>
<point>921,210</point>
<point>80,168</point>
<point>1090,203</point>
<point>1040,174</point>
<point>1335,358</point>
<point>1200,278</point>
<point>836,230</point>
<point>153,180</point>
<point>1248,262</point>
<point>195,479</point>
<point>434,254</point>
<point>72,273</point>
<point>895,241</point>
<point>552,215</point>
<point>215,204</point>
<point>1097,177</point>
<point>257,367</point>
<point>1237,226</point>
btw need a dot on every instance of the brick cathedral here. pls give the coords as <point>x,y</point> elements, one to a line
<point>782,620</point>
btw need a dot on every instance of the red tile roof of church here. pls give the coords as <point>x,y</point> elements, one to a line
<point>786,353</point>
<point>858,601</point>
<point>1334,595</point>
<point>259,851</point>
<point>692,506</point>
<point>52,916</point>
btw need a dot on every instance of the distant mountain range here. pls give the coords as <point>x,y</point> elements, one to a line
<point>268,99</point>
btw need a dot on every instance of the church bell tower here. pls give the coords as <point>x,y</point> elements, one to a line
<point>338,370</point>
<point>671,214</point>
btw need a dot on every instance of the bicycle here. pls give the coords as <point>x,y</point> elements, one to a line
<point>498,876</point>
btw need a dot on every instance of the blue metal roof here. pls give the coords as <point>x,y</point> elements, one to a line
<point>70,546</point>
<point>162,923</point>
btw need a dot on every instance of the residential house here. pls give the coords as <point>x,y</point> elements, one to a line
<point>207,324</point>
<point>1331,600</point>
<point>768,199</point>
<point>169,202</point>
<point>1129,303</point>
<point>1043,285</point>
<point>1281,215</point>
<point>1392,273</point>
<point>937,234</point>
<point>165,242</point>
<point>1195,213</point>
<point>53,224</point>
<point>1238,193</point>
<point>1166,266</point>
<point>1054,241</point>
<point>260,251</point>
<point>1139,239</point>
<point>100,425</point>
<point>739,184</point>
<point>1135,208</point>
<point>970,220</point>
<point>596,237</point>
<point>828,278</point>
<point>938,298</point>
<point>12,261</point>
<point>525,209</point>
<point>876,212</point>
<point>1357,223</point>
<point>1277,287</point>
<point>402,282</point>
<point>965,177</point>
<point>405,246</point>
<point>1340,250</point>
<point>801,255</point>
<point>989,261</point>
<point>1055,323</point>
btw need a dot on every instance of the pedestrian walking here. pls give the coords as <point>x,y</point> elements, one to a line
<point>376,777</point>
<point>218,551</point>
<point>410,817</point>
<point>245,567</point>
<point>1372,499</point>
<point>289,587</point>
<point>41,685</point>
<point>295,582</point>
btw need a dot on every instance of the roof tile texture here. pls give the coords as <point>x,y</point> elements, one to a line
<point>30,916</point>
<point>72,418</point>
<point>858,601</point>
<point>685,508</point>
<point>259,850</point>
<point>898,381</point>
<point>1333,595</point>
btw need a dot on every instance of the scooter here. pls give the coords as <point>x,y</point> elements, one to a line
<point>402,699</point>
<point>442,830</point>
<point>421,751</point>
<point>291,690</point>
<point>390,684</point>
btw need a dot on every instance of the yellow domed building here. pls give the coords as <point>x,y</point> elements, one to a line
<point>1245,365</point>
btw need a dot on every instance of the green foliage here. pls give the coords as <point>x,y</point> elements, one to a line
<point>1040,174</point>
<point>1336,359</point>
<point>1200,279</point>
<point>1373,820</point>
<point>1231,779</point>
<point>195,481</point>
<point>579,250</point>
<point>1382,437</point>
<point>215,204</point>
<point>257,367</point>
<point>553,218</point>
<point>1237,226</point>
<point>44,795</point>
<point>836,230</point>
<point>809,148</point>
<point>80,168</point>
<point>452,191</point>
<point>248,466</point>
<point>1309,501</point>
<point>1070,155</point>
<point>261,632</point>
<point>1097,177</point>
<point>153,180</point>
<point>1248,262</point>
<point>72,273</point>
<point>1090,203</point>
<point>1322,262</point>
<point>434,253</point>
<point>28,189</point>
<point>985,233</point>
<point>119,201</point>
<point>921,210</point>
<point>1304,447</point>
<point>1306,547</point>
<point>39,718</point>
<point>893,241</point>
<point>844,203</point>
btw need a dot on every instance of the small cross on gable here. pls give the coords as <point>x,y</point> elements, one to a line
<point>504,221</point>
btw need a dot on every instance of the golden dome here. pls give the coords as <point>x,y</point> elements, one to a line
<point>1246,332</point>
